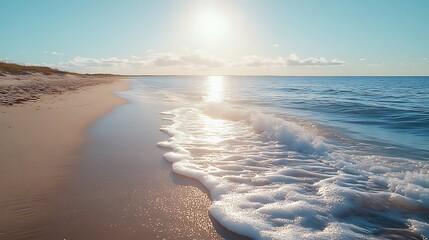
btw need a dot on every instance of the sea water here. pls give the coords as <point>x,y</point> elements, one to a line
<point>302,157</point>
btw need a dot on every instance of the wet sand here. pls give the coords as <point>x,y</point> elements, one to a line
<point>124,189</point>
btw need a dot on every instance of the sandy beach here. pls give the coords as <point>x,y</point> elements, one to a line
<point>124,189</point>
<point>38,146</point>
<point>214,120</point>
<point>67,172</point>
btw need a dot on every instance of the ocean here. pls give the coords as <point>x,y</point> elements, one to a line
<point>302,157</point>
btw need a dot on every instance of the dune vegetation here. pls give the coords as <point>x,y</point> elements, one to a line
<point>16,69</point>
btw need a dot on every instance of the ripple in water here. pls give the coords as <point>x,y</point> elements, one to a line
<point>272,177</point>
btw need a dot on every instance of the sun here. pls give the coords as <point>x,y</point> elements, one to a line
<point>211,26</point>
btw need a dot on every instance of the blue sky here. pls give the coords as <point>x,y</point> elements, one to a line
<point>275,37</point>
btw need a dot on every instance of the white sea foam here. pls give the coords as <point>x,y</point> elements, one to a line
<point>270,128</point>
<point>419,227</point>
<point>273,179</point>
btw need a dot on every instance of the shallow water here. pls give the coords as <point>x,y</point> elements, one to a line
<point>122,188</point>
<point>303,157</point>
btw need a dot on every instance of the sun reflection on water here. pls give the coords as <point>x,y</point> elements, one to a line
<point>215,89</point>
<point>214,129</point>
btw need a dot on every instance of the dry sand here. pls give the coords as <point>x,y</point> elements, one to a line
<point>38,142</point>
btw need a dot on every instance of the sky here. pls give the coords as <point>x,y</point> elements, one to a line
<point>223,37</point>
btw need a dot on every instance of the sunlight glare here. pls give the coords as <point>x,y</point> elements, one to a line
<point>214,130</point>
<point>211,26</point>
<point>215,89</point>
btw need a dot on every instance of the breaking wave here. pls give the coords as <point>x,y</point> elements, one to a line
<point>270,178</point>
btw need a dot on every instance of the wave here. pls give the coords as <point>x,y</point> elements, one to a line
<point>273,179</point>
<point>270,128</point>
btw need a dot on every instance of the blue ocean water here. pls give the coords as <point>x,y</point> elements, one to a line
<point>307,157</point>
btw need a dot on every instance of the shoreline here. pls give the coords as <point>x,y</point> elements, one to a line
<point>38,147</point>
<point>55,155</point>
<point>124,189</point>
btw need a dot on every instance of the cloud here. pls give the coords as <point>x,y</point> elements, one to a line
<point>292,60</point>
<point>276,45</point>
<point>190,62</point>
<point>362,59</point>
<point>53,53</point>
<point>164,59</point>
<point>201,60</point>
<point>83,61</point>
<point>103,62</point>
<point>154,61</point>
<point>258,61</point>
<point>57,53</point>
<point>186,60</point>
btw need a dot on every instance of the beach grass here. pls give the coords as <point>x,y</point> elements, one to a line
<point>17,69</point>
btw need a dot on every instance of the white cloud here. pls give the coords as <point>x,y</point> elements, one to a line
<point>150,51</point>
<point>292,60</point>
<point>164,59</point>
<point>53,53</point>
<point>57,53</point>
<point>276,45</point>
<point>189,61</point>
<point>196,59</point>
<point>259,61</point>
<point>103,62</point>
<point>201,60</point>
<point>135,64</point>
<point>362,59</point>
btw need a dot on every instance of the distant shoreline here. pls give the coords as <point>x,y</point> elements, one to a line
<point>30,69</point>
